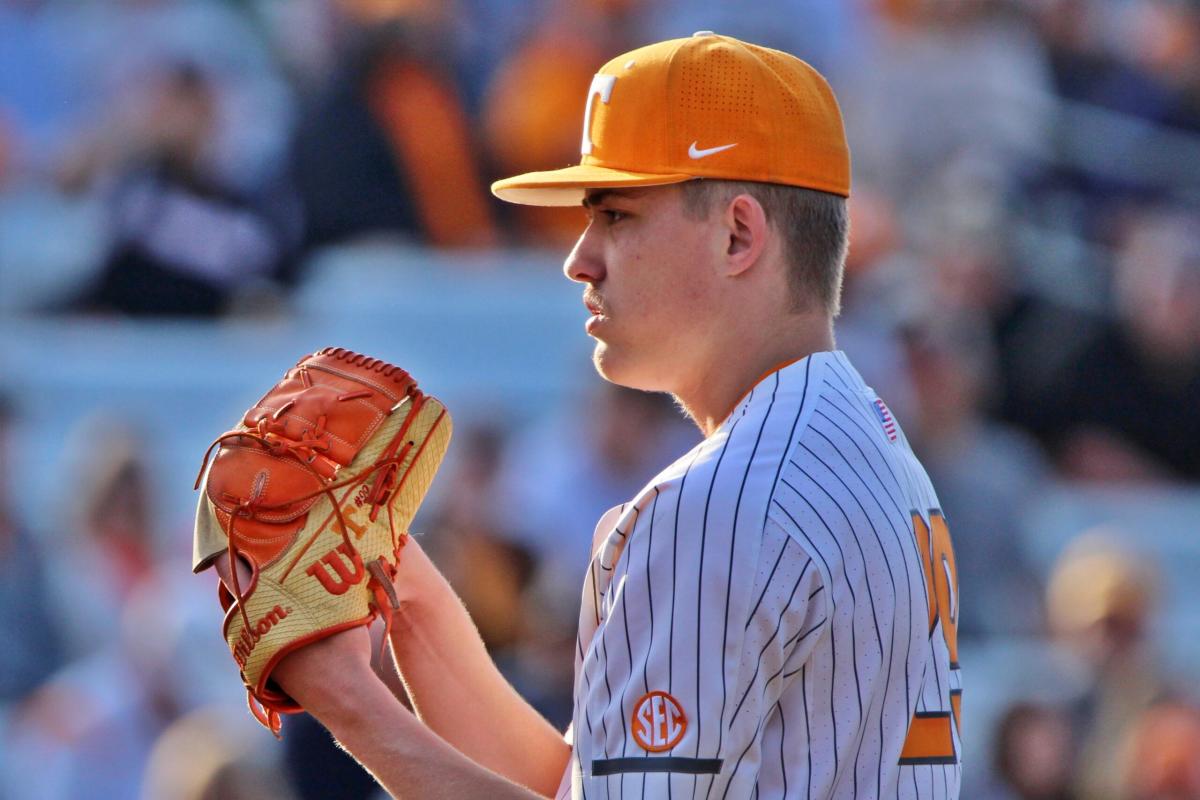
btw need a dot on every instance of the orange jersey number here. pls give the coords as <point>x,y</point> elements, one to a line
<point>930,738</point>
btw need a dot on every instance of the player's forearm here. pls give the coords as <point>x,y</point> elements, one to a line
<point>457,690</point>
<point>406,757</point>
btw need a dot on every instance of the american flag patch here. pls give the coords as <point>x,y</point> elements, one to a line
<point>885,419</point>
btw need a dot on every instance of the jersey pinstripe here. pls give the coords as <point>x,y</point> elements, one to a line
<point>769,586</point>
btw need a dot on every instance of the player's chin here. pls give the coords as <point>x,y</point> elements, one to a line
<point>617,365</point>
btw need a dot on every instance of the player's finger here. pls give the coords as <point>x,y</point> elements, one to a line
<point>222,565</point>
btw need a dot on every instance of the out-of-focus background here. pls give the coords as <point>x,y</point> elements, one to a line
<point>195,192</point>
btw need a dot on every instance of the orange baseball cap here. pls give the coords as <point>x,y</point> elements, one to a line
<point>707,106</point>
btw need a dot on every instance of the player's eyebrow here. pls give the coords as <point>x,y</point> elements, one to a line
<point>595,197</point>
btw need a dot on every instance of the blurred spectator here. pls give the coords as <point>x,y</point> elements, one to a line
<point>1101,599</point>
<point>878,292</point>
<point>827,35</point>
<point>29,630</point>
<point>514,534</point>
<point>923,309</point>
<point>541,84</point>
<point>1164,41</point>
<point>211,754</point>
<point>975,72</point>
<point>181,243</point>
<point>492,572</point>
<point>986,473</point>
<point>5,150</point>
<point>64,65</point>
<point>91,726</point>
<point>488,32</point>
<point>109,547</point>
<point>1124,409</point>
<point>1032,755</point>
<point>1139,58</point>
<point>313,763</point>
<point>556,480</point>
<point>1164,753</point>
<point>965,238</point>
<point>559,478</point>
<point>303,37</point>
<point>1085,65</point>
<point>39,83</point>
<point>388,147</point>
<point>488,569</point>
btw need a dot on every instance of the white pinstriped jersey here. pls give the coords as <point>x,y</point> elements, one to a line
<point>774,614</point>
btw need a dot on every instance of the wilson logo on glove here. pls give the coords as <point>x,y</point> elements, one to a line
<point>250,636</point>
<point>334,460</point>
<point>345,578</point>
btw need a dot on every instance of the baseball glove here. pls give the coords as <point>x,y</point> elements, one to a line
<point>314,492</point>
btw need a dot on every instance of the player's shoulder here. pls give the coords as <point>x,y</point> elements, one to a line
<point>738,467</point>
<point>850,469</point>
<point>728,479</point>
<point>846,445</point>
<point>847,425</point>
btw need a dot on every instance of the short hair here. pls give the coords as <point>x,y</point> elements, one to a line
<point>815,227</point>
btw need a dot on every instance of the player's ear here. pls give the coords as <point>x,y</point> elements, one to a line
<point>745,223</point>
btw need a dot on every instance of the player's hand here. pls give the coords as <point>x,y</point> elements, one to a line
<point>323,675</point>
<point>243,571</point>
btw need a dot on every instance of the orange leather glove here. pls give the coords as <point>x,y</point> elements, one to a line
<point>314,491</point>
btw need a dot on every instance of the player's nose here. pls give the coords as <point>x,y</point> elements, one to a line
<point>585,263</point>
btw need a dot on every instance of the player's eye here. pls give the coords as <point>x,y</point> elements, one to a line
<point>611,215</point>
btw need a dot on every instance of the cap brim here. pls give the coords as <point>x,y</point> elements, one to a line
<point>565,187</point>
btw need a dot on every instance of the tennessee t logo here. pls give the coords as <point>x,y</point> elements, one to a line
<point>602,85</point>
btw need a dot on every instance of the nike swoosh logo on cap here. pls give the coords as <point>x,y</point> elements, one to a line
<point>694,152</point>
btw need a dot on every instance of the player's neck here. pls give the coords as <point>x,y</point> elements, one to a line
<point>742,361</point>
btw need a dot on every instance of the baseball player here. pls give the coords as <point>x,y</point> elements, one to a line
<point>774,614</point>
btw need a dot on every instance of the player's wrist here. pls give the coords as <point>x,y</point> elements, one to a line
<point>423,593</point>
<point>414,626</point>
<point>331,675</point>
<point>366,720</point>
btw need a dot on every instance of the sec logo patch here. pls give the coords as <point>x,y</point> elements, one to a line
<point>658,722</point>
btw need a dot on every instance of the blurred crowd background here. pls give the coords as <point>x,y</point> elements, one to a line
<point>193,193</point>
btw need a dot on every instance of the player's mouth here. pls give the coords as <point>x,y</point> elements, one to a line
<point>596,309</point>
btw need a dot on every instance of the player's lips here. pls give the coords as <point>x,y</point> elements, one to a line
<point>597,311</point>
